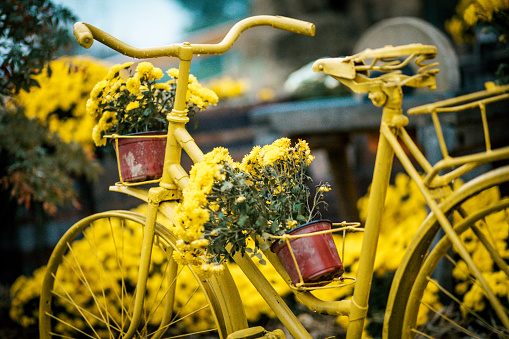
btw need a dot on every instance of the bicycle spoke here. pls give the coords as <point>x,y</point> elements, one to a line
<point>184,305</point>
<point>82,309</point>
<point>107,322</point>
<point>463,306</point>
<point>102,270</point>
<point>83,279</point>
<point>73,327</point>
<point>450,321</point>
<point>125,314</point>
<point>175,321</point>
<point>189,334</point>
<point>93,285</point>
<point>60,335</point>
<point>160,287</point>
<point>471,307</point>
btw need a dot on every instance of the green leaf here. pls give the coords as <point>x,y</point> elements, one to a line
<point>266,236</point>
<point>302,218</point>
<point>264,247</point>
<point>226,186</point>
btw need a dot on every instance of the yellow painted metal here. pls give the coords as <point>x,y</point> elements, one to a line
<point>188,144</point>
<point>271,297</point>
<point>385,91</point>
<point>229,302</point>
<point>413,258</point>
<point>146,252</point>
<point>341,307</point>
<point>169,299</point>
<point>257,332</point>
<point>164,198</point>
<point>177,120</point>
<point>448,228</point>
<point>86,33</point>
<point>381,176</point>
<point>456,166</point>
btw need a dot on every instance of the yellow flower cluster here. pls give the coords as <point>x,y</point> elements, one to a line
<point>23,290</point>
<point>60,101</point>
<point>471,12</point>
<point>227,202</point>
<point>227,87</point>
<point>191,215</point>
<point>140,103</point>
<point>279,150</point>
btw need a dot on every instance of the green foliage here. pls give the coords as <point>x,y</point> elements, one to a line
<point>140,103</point>
<point>31,33</point>
<point>267,195</point>
<point>39,166</point>
<point>35,165</point>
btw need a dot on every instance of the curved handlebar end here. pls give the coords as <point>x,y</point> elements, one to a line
<point>83,34</point>
<point>294,25</point>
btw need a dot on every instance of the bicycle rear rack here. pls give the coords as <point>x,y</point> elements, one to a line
<point>455,166</point>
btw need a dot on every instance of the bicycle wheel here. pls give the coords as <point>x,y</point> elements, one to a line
<point>455,303</point>
<point>90,284</point>
<point>437,295</point>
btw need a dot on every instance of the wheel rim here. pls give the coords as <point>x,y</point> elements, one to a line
<point>90,282</point>
<point>418,249</point>
<point>457,303</point>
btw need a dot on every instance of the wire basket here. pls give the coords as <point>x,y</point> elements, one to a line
<point>298,279</point>
<point>140,157</point>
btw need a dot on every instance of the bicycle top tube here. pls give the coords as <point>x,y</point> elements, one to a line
<point>86,33</point>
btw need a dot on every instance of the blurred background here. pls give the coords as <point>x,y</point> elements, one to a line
<point>266,91</point>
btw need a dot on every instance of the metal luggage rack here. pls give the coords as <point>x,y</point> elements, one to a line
<point>453,167</point>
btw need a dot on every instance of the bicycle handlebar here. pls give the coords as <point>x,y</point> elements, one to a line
<point>86,33</point>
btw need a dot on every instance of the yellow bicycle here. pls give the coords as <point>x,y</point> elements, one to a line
<point>145,300</point>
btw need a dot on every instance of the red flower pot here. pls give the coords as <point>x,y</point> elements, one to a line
<point>142,158</point>
<point>317,256</point>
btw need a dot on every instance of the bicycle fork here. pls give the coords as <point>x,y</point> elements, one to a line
<point>155,197</point>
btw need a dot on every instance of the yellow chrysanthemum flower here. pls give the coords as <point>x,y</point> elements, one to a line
<point>164,86</point>
<point>470,15</point>
<point>132,105</point>
<point>173,72</point>
<point>133,85</point>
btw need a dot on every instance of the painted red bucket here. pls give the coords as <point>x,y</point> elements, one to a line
<point>317,256</point>
<point>142,158</point>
